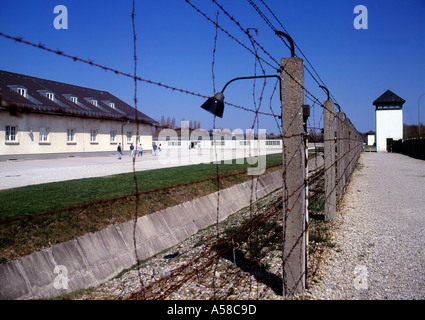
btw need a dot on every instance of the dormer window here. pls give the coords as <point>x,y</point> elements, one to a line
<point>95,103</point>
<point>19,89</point>
<point>22,92</point>
<point>109,103</point>
<point>71,97</point>
<point>50,96</point>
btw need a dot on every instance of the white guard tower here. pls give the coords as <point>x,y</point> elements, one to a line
<point>389,119</point>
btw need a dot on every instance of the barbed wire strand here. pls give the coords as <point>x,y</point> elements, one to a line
<point>136,184</point>
<point>213,252</point>
<point>118,72</point>
<point>217,226</point>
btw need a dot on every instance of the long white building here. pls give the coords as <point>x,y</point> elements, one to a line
<point>44,118</point>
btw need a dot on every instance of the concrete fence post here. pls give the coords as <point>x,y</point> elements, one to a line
<point>329,148</point>
<point>293,156</point>
<point>356,148</point>
<point>347,150</point>
<point>351,146</point>
<point>360,145</point>
<point>340,177</point>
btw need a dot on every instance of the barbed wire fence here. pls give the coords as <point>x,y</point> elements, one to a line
<point>276,234</point>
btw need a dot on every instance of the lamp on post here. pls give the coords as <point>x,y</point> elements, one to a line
<point>215,105</point>
<point>294,168</point>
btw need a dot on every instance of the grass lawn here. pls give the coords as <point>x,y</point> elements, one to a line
<point>21,237</point>
<point>29,200</point>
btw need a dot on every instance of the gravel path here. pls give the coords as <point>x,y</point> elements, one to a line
<point>378,242</point>
<point>379,233</point>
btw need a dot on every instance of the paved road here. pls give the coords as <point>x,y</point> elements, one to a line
<point>27,172</point>
<point>380,238</point>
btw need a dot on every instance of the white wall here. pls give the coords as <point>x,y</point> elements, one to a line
<point>370,139</point>
<point>389,124</point>
<point>221,144</point>
<point>28,137</point>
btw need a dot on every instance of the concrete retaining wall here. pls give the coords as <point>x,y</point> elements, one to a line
<point>96,257</point>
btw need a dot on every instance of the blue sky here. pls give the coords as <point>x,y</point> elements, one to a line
<point>175,47</point>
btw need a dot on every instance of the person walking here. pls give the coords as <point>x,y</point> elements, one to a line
<point>132,150</point>
<point>140,150</point>
<point>154,148</point>
<point>119,151</point>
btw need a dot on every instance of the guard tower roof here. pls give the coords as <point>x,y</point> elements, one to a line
<point>389,100</point>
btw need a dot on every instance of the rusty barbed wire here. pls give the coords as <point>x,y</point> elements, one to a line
<point>166,285</point>
<point>272,27</point>
<point>195,265</point>
<point>225,31</point>
<point>246,31</point>
<point>136,183</point>
<point>216,251</point>
<point>166,291</point>
<point>118,72</point>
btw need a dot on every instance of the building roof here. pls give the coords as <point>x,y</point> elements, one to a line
<point>389,98</point>
<point>67,99</point>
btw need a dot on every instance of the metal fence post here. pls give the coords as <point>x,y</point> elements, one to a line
<point>329,148</point>
<point>293,156</point>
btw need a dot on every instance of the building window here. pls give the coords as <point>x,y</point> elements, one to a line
<point>273,143</point>
<point>50,96</point>
<point>47,93</point>
<point>112,105</point>
<point>44,134</point>
<point>70,135</point>
<point>129,136</point>
<point>74,99</point>
<point>218,143</point>
<point>94,102</point>
<point>112,136</point>
<point>22,92</point>
<point>93,135</point>
<point>11,133</point>
<point>174,143</point>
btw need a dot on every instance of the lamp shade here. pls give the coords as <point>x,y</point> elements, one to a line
<point>215,105</point>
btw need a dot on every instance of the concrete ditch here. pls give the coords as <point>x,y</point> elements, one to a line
<point>96,257</point>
